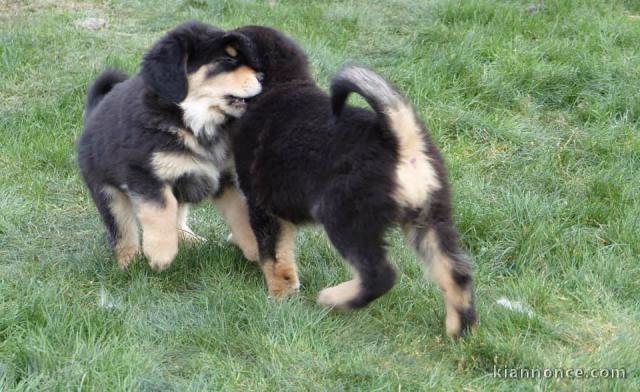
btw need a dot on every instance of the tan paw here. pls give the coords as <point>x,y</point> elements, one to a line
<point>249,251</point>
<point>251,254</point>
<point>339,296</point>
<point>160,264</point>
<point>282,279</point>
<point>126,254</point>
<point>161,253</point>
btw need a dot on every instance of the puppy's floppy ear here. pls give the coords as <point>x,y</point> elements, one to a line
<point>164,68</point>
<point>243,44</point>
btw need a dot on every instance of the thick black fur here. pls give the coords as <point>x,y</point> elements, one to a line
<point>127,120</point>
<point>303,156</point>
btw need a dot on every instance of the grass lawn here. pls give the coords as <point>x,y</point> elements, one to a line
<point>537,114</point>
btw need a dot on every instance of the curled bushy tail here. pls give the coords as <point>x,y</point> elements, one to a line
<point>415,176</point>
<point>395,112</point>
<point>378,93</point>
<point>101,87</point>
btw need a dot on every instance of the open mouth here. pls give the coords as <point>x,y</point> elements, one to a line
<point>237,102</point>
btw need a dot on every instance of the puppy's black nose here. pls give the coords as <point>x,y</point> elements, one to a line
<point>260,76</point>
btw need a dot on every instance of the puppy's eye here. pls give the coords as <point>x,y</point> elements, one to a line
<point>221,65</point>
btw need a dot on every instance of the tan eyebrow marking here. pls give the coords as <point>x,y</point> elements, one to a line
<point>231,51</point>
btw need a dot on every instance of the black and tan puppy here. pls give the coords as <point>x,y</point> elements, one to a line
<point>302,156</point>
<point>153,143</point>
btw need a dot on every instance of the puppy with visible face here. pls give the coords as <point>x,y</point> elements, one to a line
<point>304,156</point>
<point>155,143</point>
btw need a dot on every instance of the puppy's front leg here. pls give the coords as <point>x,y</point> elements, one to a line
<point>276,244</point>
<point>159,219</point>
<point>232,205</point>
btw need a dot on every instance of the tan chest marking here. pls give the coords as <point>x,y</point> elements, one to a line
<point>191,142</point>
<point>169,166</point>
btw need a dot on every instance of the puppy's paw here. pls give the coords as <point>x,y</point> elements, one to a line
<point>460,323</point>
<point>282,279</point>
<point>250,254</point>
<point>160,264</point>
<point>125,254</point>
<point>249,250</point>
<point>284,289</point>
<point>189,237</point>
<point>340,296</point>
<point>161,253</point>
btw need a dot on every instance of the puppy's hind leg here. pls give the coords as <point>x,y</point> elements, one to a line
<point>118,215</point>
<point>436,245</point>
<point>364,248</point>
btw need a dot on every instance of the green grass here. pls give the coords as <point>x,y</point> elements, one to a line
<point>536,113</point>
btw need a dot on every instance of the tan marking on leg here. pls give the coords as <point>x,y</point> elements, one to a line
<point>185,234</point>
<point>415,176</point>
<point>128,242</point>
<point>282,274</point>
<point>339,296</point>
<point>233,208</point>
<point>159,232</point>
<point>456,298</point>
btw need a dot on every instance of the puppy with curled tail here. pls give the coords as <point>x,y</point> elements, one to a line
<point>303,156</point>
